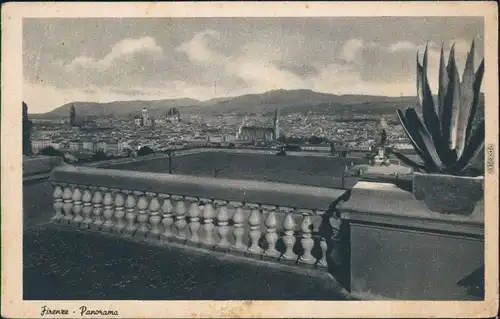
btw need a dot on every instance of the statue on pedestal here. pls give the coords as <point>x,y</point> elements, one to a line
<point>381,158</point>
<point>383,137</point>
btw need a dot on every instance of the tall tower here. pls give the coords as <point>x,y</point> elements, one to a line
<point>144,116</point>
<point>72,116</point>
<point>276,126</point>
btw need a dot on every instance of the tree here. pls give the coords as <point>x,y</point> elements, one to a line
<point>100,155</point>
<point>128,152</point>
<point>145,150</point>
<point>315,140</point>
<point>50,151</point>
<point>282,138</point>
<point>27,127</point>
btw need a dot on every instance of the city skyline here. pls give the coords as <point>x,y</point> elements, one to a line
<point>203,58</point>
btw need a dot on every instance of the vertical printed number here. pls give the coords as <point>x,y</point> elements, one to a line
<point>490,159</point>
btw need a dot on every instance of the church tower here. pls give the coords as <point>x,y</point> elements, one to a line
<point>276,126</point>
<point>72,116</point>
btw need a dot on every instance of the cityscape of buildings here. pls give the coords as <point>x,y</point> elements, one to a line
<point>116,136</point>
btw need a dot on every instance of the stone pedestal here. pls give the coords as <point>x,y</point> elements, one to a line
<point>39,164</point>
<point>380,158</point>
<point>401,250</point>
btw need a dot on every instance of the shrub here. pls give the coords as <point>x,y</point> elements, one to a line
<point>145,150</point>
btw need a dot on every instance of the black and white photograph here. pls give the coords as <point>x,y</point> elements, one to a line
<point>252,157</point>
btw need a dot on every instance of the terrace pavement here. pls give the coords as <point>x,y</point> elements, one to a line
<point>61,264</point>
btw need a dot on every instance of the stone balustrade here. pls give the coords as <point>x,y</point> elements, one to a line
<point>270,221</point>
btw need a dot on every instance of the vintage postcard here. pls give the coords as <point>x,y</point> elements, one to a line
<point>249,159</point>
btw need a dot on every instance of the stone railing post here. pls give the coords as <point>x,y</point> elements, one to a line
<point>97,209</point>
<point>194,220</point>
<point>130,204</point>
<point>271,236</point>
<point>238,230</point>
<point>323,244</point>
<point>87,209</point>
<point>324,247</point>
<point>120,223</point>
<point>108,212</point>
<point>208,225</point>
<point>307,242</point>
<point>77,206</point>
<point>254,249</point>
<point>142,216</point>
<point>58,204</point>
<point>68,204</point>
<point>154,216</point>
<point>289,237</point>
<point>180,219</point>
<point>223,243</point>
<point>167,221</point>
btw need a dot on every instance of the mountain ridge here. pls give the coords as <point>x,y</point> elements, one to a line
<point>287,101</point>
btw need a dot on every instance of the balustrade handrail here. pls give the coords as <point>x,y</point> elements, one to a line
<point>294,196</point>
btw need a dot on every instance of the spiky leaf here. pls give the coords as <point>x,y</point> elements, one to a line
<point>472,149</point>
<point>443,84</point>
<point>466,100</point>
<point>409,161</point>
<point>427,102</point>
<point>415,137</point>
<point>450,58</point>
<point>451,107</point>
<point>477,92</point>
<point>429,149</point>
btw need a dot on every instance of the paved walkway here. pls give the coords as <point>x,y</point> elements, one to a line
<point>64,264</point>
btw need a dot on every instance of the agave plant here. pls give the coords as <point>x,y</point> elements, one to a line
<point>445,140</point>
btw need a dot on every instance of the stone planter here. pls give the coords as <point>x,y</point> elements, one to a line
<point>448,194</point>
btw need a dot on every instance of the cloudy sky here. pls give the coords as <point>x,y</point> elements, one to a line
<point>104,60</point>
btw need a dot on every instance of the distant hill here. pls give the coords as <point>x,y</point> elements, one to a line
<point>287,101</point>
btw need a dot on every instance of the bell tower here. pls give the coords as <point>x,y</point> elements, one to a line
<point>276,126</point>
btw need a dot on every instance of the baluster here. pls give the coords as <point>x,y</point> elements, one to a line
<point>324,247</point>
<point>58,204</point>
<point>271,236</point>
<point>254,235</point>
<point>87,209</point>
<point>154,218</point>
<point>108,210</point>
<point>167,220</point>
<point>120,223</point>
<point>180,219</point>
<point>289,237</point>
<point>130,204</point>
<point>68,204</point>
<point>208,225</point>
<point>97,210</point>
<point>307,241</point>
<point>238,231</point>
<point>194,220</point>
<point>222,225</point>
<point>142,216</point>
<point>77,206</point>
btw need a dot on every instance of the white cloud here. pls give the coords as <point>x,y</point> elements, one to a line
<point>197,48</point>
<point>359,67</point>
<point>257,71</point>
<point>350,49</point>
<point>124,48</point>
<point>402,46</point>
